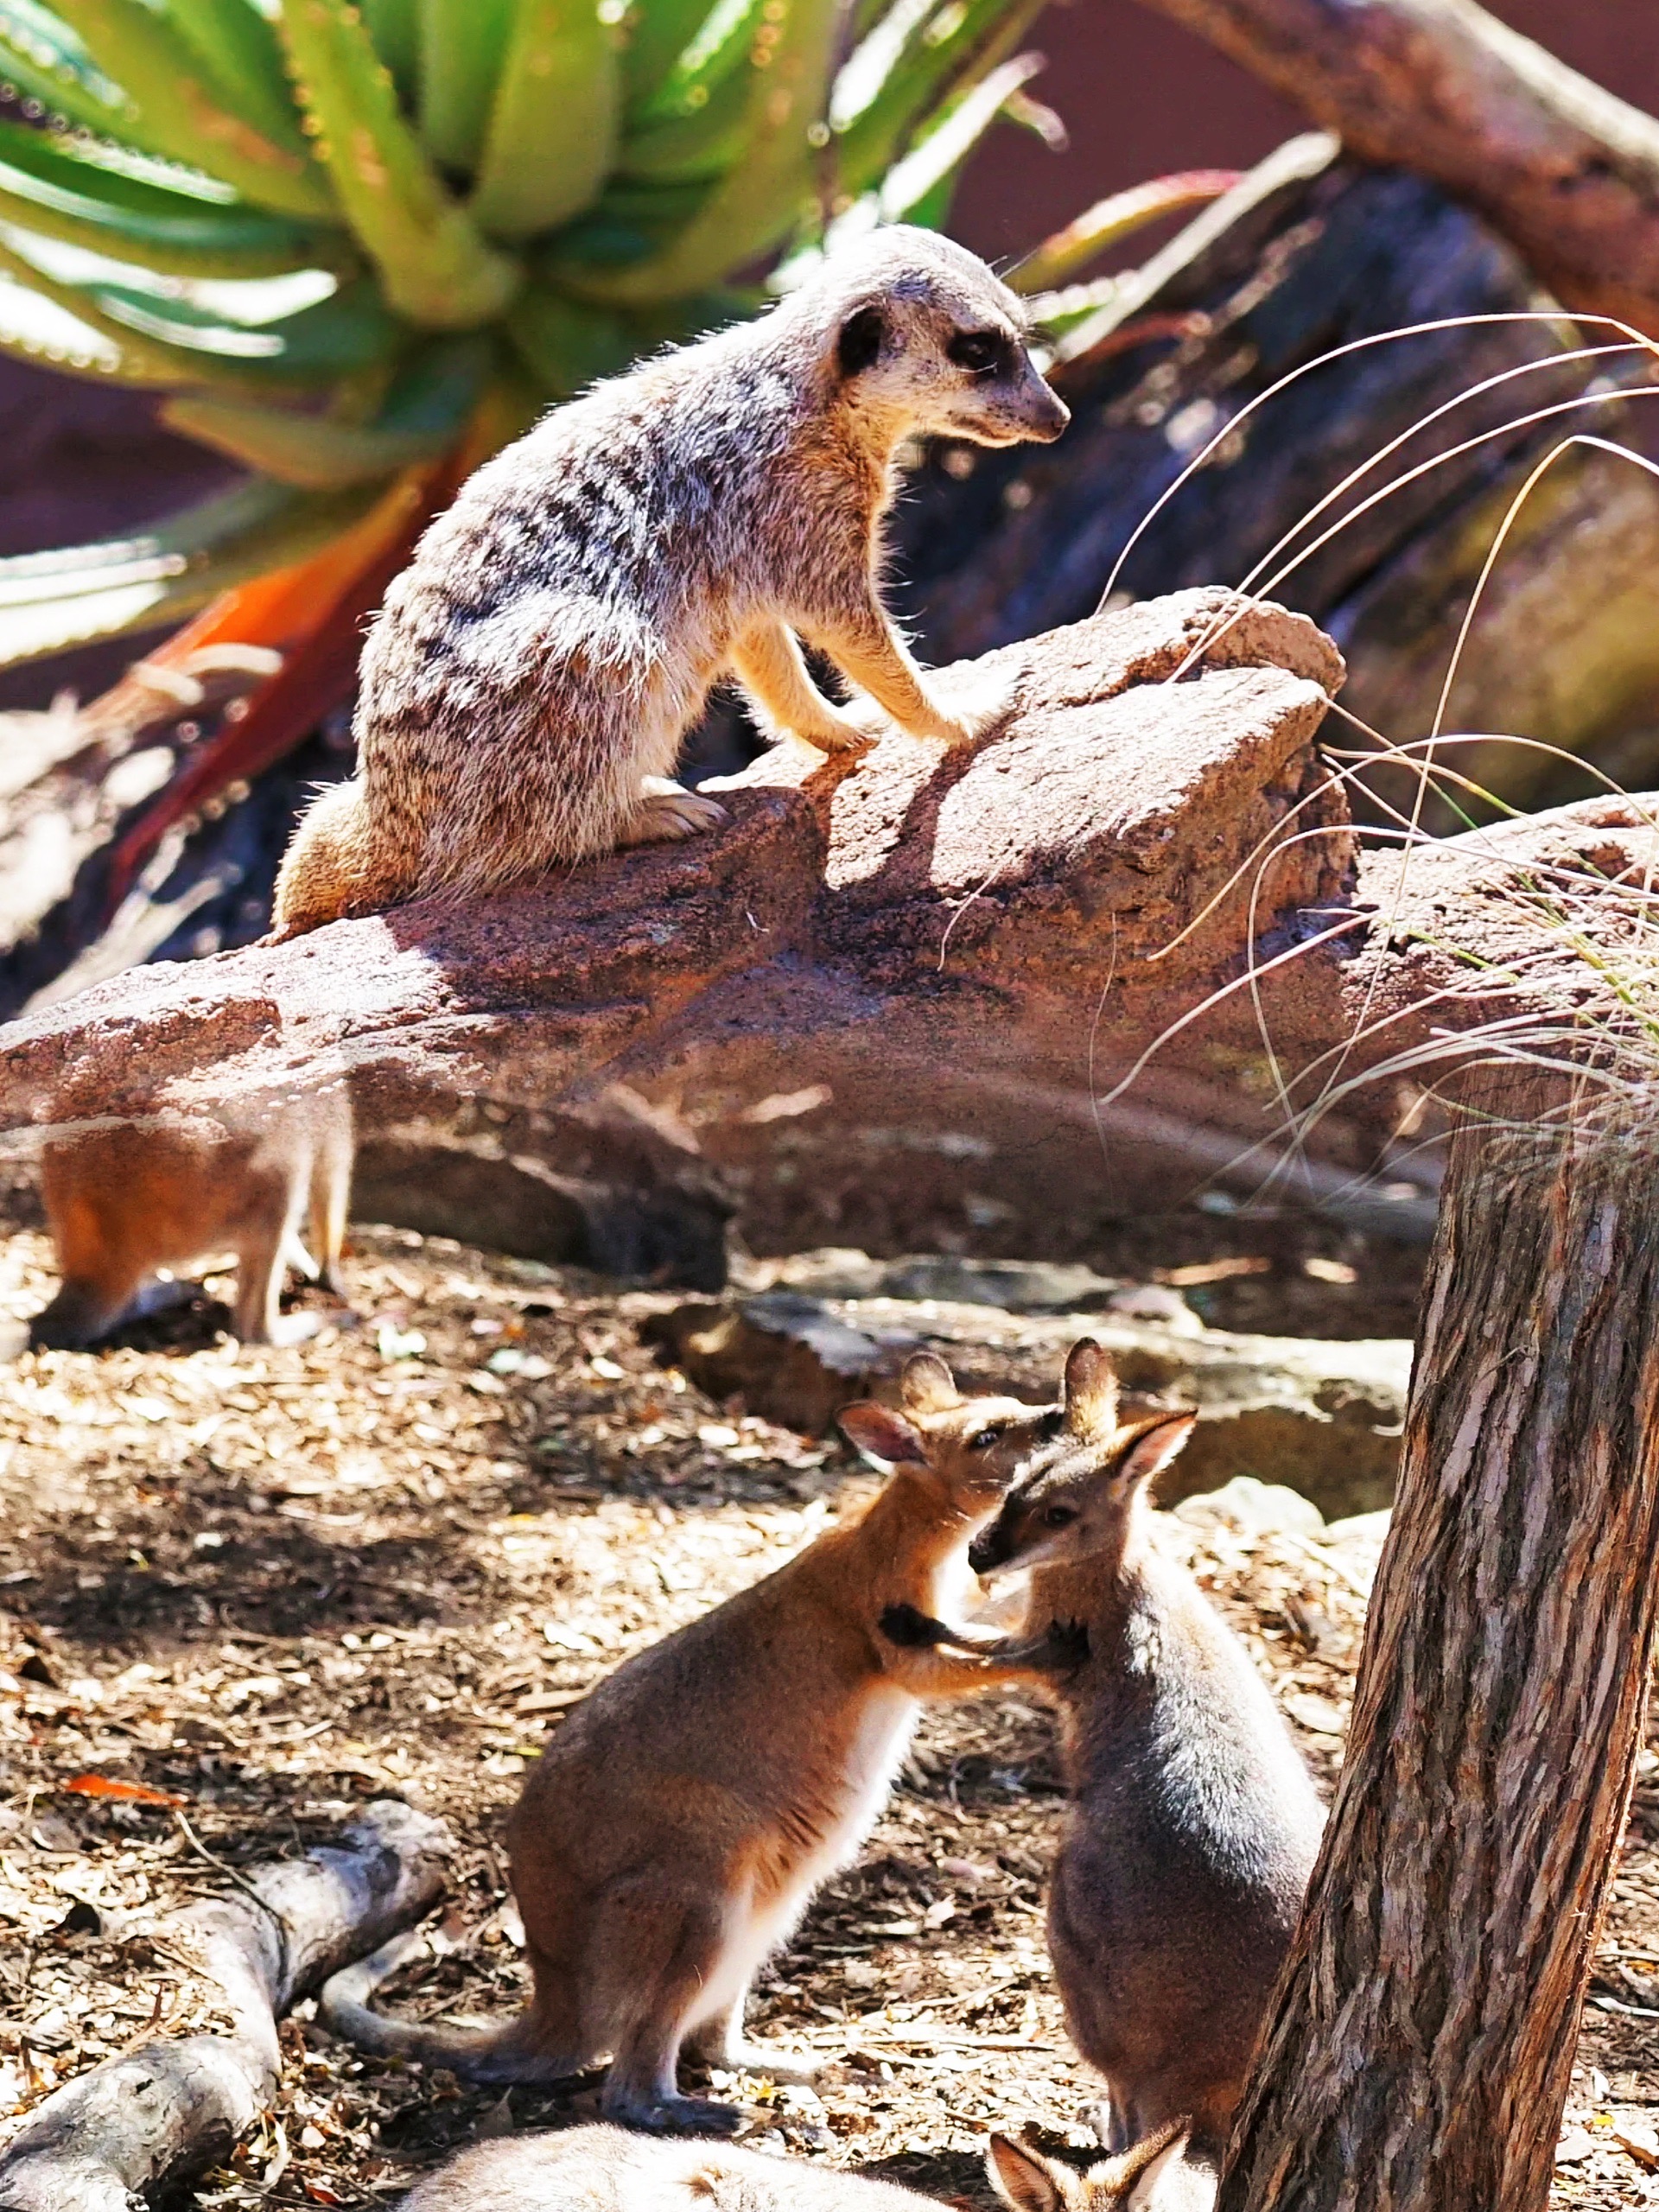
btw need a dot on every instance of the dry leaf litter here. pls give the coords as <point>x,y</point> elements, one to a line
<point>271,1584</point>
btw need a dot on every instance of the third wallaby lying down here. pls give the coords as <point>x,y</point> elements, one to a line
<point>1156,2176</point>
<point>672,1832</point>
<point>607,2170</point>
<point>1194,1825</point>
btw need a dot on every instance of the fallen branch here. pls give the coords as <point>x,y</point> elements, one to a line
<point>161,2113</point>
<point>1566,171</point>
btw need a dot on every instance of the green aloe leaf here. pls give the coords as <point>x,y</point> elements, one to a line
<point>53,188</point>
<point>50,601</point>
<point>423,413</point>
<point>768,195</point>
<point>394,32</point>
<point>339,336</point>
<point>933,163</point>
<point>716,54</point>
<point>437,269</point>
<point>244,57</point>
<point>659,32</point>
<point>175,109</point>
<point>1110,220</point>
<point>698,146</point>
<point>877,110</point>
<point>562,61</point>
<point>461,46</point>
<point>46,61</point>
<point>566,344</point>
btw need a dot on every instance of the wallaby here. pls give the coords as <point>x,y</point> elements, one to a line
<point>1157,2176</point>
<point>673,1831</point>
<point>1194,1824</point>
<point>125,1201</point>
<point>602,2168</point>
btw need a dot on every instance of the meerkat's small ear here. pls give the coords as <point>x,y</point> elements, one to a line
<point>860,340</point>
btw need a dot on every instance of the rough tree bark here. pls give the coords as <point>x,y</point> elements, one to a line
<point>1418,2053</point>
<point>1564,169</point>
<point>162,2113</point>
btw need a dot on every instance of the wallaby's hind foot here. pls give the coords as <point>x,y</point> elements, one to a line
<point>675,2115</point>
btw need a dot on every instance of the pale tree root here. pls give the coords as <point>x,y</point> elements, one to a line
<point>157,2115</point>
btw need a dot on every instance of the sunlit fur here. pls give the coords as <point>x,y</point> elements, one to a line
<point>526,690</point>
<point>679,1821</point>
<point>1194,1824</point>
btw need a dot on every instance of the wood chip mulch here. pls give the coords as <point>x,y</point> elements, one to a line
<point>272,1583</point>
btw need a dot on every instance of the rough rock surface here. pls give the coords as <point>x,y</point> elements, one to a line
<point>897,992</point>
<point>1320,1417</point>
<point>884,981</point>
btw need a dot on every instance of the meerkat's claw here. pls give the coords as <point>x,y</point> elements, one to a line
<point>668,812</point>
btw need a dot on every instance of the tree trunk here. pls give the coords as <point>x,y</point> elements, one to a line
<point>1568,173</point>
<point>159,2113</point>
<point>1418,2053</point>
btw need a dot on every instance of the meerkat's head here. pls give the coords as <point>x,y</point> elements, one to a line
<point>921,337</point>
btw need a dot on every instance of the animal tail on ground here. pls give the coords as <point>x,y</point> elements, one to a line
<point>510,2052</point>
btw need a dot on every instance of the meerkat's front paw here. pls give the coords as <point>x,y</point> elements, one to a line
<point>667,812</point>
<point>975,712</point>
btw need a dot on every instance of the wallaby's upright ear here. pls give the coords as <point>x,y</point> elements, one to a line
<point>882,1432</point>
<point>1091,1390</point>
<point>1149,2193</point>
<point>927,1384</point>
<point>858,344</point>
<point>1154,1449</point>
<point>1027,2181</point>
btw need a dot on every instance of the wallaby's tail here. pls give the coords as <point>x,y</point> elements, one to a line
<point>512,2052</point>
<point>333,867</point>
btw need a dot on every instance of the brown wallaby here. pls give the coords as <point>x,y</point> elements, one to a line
<point>1193,1825</point>
<point>602,2168</point>
<point>1157,2176</point>
<point>125,1202</point>
<point>673,1831</point>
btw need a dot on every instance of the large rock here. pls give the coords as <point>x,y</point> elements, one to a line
<point>1320,1417</point>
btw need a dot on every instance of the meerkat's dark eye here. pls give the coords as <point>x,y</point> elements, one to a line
<point>984,1440</point>
<point>982,353</point>
<point>859,343</point>
<point>1059,1517</point>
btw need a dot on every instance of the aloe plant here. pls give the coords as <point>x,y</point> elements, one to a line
<point>358,248</point>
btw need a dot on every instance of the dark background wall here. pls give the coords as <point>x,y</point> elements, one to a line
<point>1142,95</point>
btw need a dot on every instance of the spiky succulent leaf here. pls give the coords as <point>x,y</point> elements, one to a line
<point>51,602</point>
<point>437,268</point>
<point>421,417</point>
<point>562,60</point>
<point>462,45</point>
<point>920,63</point>
<point>53,188</point>
<point>175,109</point>
<point>243,56</point>
<point>764,198</point>
<point>394,32</point>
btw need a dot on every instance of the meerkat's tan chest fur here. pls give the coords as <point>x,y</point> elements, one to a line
<point>525,690</point>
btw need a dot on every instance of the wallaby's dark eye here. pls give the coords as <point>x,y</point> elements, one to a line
<point>980,352</point>
<point>1057,1516</point>
<point>984,1440</point>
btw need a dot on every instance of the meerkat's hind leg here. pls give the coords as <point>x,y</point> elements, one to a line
<point>667,812</point>
<point>771,669</point>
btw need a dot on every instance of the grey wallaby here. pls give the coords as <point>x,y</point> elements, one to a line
<point>1194,1824</point>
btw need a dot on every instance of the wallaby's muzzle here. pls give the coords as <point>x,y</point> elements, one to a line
<point>991,1549</point>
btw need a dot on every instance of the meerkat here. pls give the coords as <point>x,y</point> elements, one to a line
<point>525,690</point>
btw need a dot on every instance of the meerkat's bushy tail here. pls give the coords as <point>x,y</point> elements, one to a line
<point>334,865</point>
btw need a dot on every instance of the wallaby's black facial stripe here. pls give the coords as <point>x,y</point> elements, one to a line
<point>862,336</point>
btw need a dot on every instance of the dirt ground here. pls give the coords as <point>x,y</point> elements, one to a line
<point>273,1584</point>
